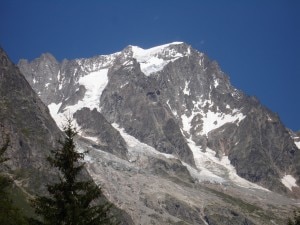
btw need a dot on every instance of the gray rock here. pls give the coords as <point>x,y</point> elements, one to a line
<point>32,133</point>
<point>218,215</point>
<point>188,101</point>
<point>95,125</point>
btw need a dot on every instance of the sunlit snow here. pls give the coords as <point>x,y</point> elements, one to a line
<point>289,181</point>
<point>135,145</point>
<point>186,122</point>
<point>94,139</point>
<point>58,75</point>
<point>150,59</point>
<point>173,111</point>
<point>214,120</point>
<point>58,118</point>
<point>216,83</point>
<point>209,167</point>
<point>297,143</point>
<point>211,120</point>
<point>214,169</point>
<point>94,83</point>
<point>186,90</point>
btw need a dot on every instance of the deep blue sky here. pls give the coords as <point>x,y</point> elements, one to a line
<point>256,42</point>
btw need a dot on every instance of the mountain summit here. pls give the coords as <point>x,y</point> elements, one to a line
<point>168,113</point>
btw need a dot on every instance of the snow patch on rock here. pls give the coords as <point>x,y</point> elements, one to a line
<point>94,83</point>
<point>217,170</point>
<point>186,90</point>
<point>297,143</point>
<point>289,181</point>
<point>209,167</point>
<point>136,146</point>
<point>213,120</point>
<point>155,59</point>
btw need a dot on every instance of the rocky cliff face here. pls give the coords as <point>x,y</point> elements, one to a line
<point>26,121</point>
<point>169,116</point>
<point>32,134</point>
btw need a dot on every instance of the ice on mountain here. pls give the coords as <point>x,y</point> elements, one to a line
<point>94,139</point>
<point>186,122</point>
<point>216,83</point>
<point>173,111</point>
<point>58,75</point>
<point>210,120</point>
<point>289,181</point>
<point>186,90</point>
<point>152,65</point>
<point>213,120</point>
<point>94,83</point>
<point>217,170</point>
<point>59,118</point>
<point>136,146</point>
<point>151,60</point>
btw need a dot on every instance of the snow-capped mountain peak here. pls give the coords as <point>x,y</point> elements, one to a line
<point>167,119</point>
<point>181,97</point>
<point>154,59</point>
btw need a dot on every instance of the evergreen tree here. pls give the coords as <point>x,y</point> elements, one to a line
<point>296,219</point>
<point>9,214</point>
<point>70,201</point>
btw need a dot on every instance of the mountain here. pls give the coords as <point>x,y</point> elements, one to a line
<point>170,138</point>
<point>26,121</point>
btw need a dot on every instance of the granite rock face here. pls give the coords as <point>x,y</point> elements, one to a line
<point>25,120</point>
<point>163,123</point>
<point>107,138</point>
<point>168,97</point>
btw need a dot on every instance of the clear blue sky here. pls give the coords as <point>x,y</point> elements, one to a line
<point>256,42</point>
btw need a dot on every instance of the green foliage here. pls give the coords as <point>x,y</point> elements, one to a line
<point>295,220</point>
<point>71,201</point>
<point>9,214</point>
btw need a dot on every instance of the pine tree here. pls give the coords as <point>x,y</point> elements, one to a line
<point>9,214</point>
<point>70,201</point>
<point>296,219</point>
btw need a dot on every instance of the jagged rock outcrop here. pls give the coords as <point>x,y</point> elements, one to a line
<point>107,138</point>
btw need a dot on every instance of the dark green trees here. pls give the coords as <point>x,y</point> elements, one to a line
<point>296,219</point>
<point>70,201</point>
<point>9,214</point>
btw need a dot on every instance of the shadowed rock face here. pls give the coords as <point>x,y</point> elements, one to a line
<point>32,134</point>
<point>26,121</point>
<point>108,139</point>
